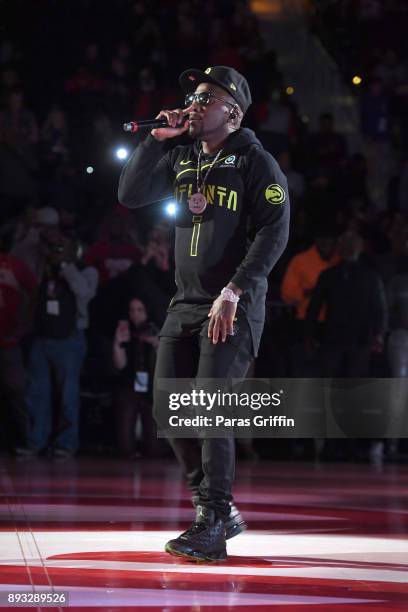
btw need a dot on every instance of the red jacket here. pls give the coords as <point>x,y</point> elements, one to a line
<point>17,283</point>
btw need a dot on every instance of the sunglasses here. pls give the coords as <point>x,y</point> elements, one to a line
<point>203,98</point>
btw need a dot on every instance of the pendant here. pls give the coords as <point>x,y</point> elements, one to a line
<point>197,203</point>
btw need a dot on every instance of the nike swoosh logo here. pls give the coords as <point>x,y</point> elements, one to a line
<point>184,163</point>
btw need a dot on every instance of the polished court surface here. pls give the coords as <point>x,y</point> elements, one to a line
<point>321,537</point>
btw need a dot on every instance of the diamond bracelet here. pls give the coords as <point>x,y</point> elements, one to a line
<point>229,295</point>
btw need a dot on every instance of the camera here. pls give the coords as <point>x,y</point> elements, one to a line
<point>63,249</point>
<point>56,249</point>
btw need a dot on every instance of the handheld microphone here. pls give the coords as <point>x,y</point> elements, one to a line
<point>134,126</point>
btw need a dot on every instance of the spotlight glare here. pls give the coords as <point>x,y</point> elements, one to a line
<point>90,170</point>
<point>171,209</point>
<point>290,90</point>
<point>357,80</point>
<point>121,153</point>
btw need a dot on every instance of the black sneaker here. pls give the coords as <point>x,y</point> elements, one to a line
<point>203,541</point>
<point>26,451</point>
<point>62,453</point>
<point>234,524</point>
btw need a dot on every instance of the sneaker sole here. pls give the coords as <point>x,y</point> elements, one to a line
<point>195,556</point>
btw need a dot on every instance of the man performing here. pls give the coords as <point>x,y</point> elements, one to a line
<point>231,228</point>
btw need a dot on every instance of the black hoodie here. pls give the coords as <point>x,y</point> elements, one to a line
<point>239,237</point>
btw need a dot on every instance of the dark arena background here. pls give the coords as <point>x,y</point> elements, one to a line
<point>89,494</point>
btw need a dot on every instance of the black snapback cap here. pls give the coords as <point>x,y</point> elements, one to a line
<point>224,76</point>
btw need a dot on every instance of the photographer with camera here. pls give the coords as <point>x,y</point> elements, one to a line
<point>35,229</point>
<point>59,347</point>
<point>134,354</point>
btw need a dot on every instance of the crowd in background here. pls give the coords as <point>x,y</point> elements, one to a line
<point>85,283</point>
<point>367,38</point>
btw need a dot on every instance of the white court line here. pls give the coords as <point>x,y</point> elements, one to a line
<point>93,597</point>
<point>318,571</point>
<point>266,545</point>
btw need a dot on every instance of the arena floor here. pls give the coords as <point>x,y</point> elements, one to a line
<point>327,537</point>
